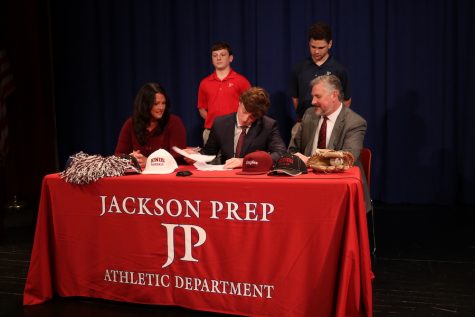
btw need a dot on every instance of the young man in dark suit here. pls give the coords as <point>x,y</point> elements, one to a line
<point>245,131</point>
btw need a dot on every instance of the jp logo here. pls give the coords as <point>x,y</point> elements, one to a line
<point>187,230</point>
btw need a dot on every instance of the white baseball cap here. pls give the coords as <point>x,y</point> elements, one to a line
<point>160,162</point>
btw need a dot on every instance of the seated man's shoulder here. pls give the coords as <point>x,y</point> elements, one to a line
<point>224,118</point>
<point>353,115</point>
<point>309,114</point>
<point>266,120</point>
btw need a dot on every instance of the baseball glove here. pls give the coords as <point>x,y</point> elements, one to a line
<point>330,161</point>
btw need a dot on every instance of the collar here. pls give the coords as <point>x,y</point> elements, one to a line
<point>230,75</point>
<point>237,126</point>
<point>332,117</point>
<point>325,63</point>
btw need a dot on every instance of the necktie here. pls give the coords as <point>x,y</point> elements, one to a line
<point>240,141</point>
<point>322,135</point>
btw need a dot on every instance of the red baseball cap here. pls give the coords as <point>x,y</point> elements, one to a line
<point>258,162</point>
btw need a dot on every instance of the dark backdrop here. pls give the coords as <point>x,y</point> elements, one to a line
<point>410,63</point>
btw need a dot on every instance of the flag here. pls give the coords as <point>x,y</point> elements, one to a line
<point>6,88</point>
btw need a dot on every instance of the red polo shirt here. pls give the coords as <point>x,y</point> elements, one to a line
<point>220,97</point>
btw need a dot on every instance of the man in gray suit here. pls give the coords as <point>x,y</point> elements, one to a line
<point>345,129</point>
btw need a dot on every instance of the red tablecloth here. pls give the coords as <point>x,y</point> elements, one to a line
<point>216,241</point>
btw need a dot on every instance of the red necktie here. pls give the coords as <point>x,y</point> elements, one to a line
<point>240,141</point>
<point>322,135</point>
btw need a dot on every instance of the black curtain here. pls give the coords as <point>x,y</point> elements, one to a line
<point>410,62</point>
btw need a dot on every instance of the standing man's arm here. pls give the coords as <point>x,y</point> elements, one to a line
<point>202,100</point>
<point>345,82</point>
<point>203,113</point>
<point>293,88</point>
<point>295,101</point>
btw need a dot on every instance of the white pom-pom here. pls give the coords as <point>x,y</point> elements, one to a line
<point>84,168</point>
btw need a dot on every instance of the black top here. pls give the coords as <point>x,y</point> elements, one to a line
<point>305,71</point>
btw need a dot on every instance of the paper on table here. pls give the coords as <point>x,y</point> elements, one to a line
<point>201,166</point>
<point>195,156</point>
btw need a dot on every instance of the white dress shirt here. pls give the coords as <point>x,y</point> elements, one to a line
<point>330,124</point>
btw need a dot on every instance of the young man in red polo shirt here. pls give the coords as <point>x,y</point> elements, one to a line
<point>219,92</point>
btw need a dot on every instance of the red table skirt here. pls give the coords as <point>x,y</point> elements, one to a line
<point>215,241</point>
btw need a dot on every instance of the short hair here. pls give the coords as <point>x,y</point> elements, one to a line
<point>332,82</point>
<point>256,101</point>
<point>320,31</point>
<point>221,46</point>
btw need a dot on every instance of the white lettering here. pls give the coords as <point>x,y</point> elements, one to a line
<point>143,206</point>
<point>107,276</point>
<point>179,282</point>
<point>165,280</point>
<point>170,209</point>
<point>214,286</point>
<point>124,277</point>
<point>141,278</point>
<point>194,284</point>
<point>194,209</point>
<point>267,209</point>
<point>158,204</point>
<point>216,207</point>
<point>137,278</point>
<point>170,243</point>
<point>124,205</point>
<point>188,242</point>
<point>103,205</point>
<point>233,211</point>
<point>114,205</point>
<point>251,209</point>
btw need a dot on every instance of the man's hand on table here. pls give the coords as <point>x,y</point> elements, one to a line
<point>234,162</point>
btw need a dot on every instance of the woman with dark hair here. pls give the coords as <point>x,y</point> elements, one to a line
<point>151,126</point>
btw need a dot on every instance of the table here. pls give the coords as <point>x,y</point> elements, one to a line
<point>254,245</point>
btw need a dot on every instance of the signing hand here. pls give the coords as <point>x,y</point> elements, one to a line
<point>302,157</point>
<point>234,162</point>
<point>191,150</point>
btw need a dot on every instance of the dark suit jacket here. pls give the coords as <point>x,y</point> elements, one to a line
<point>347,135</point>
<point>263,135</point>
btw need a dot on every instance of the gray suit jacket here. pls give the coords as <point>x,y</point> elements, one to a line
<point>347,135</point>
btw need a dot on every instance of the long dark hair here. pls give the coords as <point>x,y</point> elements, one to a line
<point>143,104</point>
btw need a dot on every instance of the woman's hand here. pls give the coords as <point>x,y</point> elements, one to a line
<point>140,158</point>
